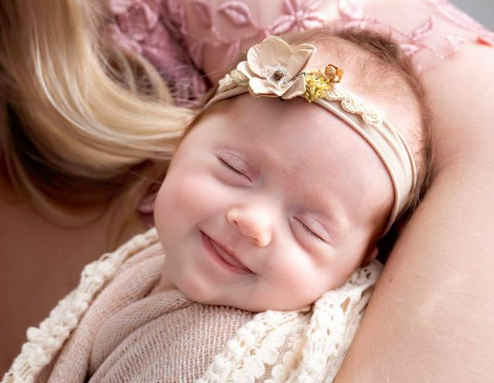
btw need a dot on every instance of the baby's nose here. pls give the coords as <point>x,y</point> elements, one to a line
<point>253,223</point>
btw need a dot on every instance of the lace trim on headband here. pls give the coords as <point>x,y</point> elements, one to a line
<point>352,104</point>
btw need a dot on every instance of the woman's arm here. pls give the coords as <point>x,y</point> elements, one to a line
<point>431,318</point>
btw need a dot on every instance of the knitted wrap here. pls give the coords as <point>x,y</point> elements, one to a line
<point>111,329</point>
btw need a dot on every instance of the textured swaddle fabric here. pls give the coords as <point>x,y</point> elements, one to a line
<point>162,338</point>
<point>119,331</point>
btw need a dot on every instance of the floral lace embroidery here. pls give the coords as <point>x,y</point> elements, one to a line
<point>138,20</point>
<point>264,351</point>
<point>352,14</point>
<point>298,17</point>
<point>153,28</point>
<point>453,14</point>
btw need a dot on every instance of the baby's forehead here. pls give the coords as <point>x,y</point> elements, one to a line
<point>302,147</point>
<point>285,125</point>
<point>280,124</point>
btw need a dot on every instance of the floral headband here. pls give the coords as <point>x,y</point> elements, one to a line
<point>273,69</point>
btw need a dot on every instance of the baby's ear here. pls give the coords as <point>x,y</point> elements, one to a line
<point>371,255</point>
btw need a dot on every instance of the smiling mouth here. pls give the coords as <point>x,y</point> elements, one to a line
<point>225,258</point>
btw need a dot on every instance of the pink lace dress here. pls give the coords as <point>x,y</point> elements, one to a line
<point>186,39</point>
<point>191,42</point>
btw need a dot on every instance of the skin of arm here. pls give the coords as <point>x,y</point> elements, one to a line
<point>431,316</point>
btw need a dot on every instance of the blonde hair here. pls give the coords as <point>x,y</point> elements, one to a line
<point>79,118</point>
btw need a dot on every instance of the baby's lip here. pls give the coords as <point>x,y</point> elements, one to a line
<point>237,262</point>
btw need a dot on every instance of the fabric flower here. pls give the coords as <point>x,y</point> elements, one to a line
<point>273,68</point>
<point>319,82</point>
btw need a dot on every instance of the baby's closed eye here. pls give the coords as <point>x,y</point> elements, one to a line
<point>310,231</point>
<point>229,166</point>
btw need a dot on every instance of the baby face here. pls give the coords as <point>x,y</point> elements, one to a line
<point>268,205</point>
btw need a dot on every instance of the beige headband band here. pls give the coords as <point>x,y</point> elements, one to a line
<point>273,69</point>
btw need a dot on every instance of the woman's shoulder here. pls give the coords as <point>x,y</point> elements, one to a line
<point>460,94</point>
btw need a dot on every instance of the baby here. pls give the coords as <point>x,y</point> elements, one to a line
<point>277,194</point>
<point>279,202</point>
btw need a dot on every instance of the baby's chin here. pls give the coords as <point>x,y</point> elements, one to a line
<point>265,306</point>
<point>251,305</point>
<point>254,302</point>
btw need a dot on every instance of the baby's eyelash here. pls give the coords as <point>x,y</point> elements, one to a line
<point>228,166</point>
<point>308,230</point>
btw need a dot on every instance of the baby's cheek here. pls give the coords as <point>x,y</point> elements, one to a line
<point>189,195</point>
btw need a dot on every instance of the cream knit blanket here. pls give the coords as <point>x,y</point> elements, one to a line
<point>110,329</point>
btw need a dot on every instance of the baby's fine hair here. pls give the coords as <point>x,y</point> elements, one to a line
<point>83,121</point>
